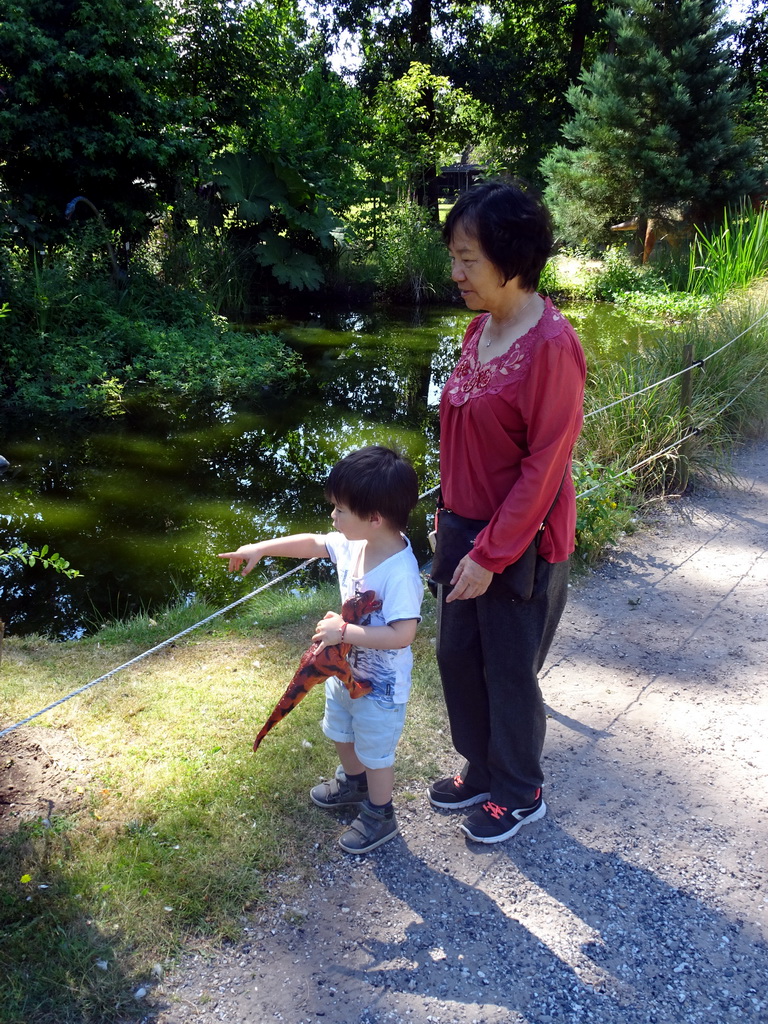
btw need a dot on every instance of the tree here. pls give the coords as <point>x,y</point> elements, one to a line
<point>519,57</point>
<point>84,111</point>
<point>752,40</point>
<point>752,73</point>
<point>514,58</point>
<point>653,134</point>
<point>420,120</point>
<point>321,129</point>
<point>233,58</point>
<point>399,46</point>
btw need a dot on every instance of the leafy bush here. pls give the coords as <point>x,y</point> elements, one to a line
<point>604,508</point>
<point>411,260</point>
<point>674,308</point>
<point>79,345</point>
<point>213,363</point>
<point>621,273</point>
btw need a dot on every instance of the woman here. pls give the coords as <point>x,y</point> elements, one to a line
<point>510,414</point>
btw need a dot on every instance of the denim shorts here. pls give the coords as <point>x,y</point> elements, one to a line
<point>375,728</point>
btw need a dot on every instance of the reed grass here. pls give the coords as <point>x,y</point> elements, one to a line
<point>730,257</point>
<point>629,433</point>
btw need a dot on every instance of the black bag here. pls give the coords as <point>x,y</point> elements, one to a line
<point>455,538</point>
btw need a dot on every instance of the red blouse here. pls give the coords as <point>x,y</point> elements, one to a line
<point>507,431</point>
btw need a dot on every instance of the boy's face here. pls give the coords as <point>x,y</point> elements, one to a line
<point>348,524</point>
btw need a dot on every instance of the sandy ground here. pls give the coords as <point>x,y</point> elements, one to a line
<point>641,898</point>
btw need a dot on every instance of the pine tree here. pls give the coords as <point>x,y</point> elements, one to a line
<point>653,133</point>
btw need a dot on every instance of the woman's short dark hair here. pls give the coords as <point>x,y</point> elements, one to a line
<point>512,226</point>
<point>375,479</point>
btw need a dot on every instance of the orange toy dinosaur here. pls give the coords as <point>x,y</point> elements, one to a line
<point>315,668</point>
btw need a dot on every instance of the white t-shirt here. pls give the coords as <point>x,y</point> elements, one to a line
<point>398,585</point>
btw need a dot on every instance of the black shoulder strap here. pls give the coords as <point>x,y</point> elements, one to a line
<point>540,530</point>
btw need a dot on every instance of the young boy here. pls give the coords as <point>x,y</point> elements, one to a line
<point>373,490</point>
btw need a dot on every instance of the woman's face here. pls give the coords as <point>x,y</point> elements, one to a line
<point>480,282</point>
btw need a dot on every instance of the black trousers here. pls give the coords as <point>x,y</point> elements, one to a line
<point>490,650</point>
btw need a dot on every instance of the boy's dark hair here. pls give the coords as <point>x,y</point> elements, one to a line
<point>512,226</point>
<point>375,479</point>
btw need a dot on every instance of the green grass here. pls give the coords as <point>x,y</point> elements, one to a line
<point>180,827</point>
<point>635,430</point>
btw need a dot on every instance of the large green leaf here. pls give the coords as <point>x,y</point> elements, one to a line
<point>248,182</point>
<point>296,269</point>
<point>297,191</point>
<point>319,222</point>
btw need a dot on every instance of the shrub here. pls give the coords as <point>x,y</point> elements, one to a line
<point>79,345</point>
<point>410,259</point>
<point>674,308</point>
<point>605,510</point>
<point>622,273</point>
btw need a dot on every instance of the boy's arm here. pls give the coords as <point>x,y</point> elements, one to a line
<point>299,545</point>
<point>391,637</point>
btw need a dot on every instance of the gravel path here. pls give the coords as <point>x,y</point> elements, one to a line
<point>640,899</point>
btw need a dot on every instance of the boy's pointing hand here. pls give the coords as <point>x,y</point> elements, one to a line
<point>248,553</point>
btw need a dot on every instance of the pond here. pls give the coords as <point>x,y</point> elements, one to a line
<point>142,505</point>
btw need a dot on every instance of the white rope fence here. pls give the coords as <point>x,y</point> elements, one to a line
<point>159,647</point>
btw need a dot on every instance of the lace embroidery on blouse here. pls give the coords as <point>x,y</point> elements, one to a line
<point>471,379</point>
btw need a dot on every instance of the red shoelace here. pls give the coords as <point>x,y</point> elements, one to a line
<point>494,810</point>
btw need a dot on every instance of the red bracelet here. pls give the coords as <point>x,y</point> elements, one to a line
<point>343,631</point>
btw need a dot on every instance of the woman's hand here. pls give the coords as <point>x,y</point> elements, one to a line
<point>328,631</point>
<point>469,580</point>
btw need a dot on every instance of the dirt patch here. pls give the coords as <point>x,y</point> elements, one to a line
<point>42,772</point>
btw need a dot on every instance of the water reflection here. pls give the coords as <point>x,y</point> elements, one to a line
<point>141,506</point>
<point>606,332</point>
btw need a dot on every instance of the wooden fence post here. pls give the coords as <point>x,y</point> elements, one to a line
<point>686,396</point>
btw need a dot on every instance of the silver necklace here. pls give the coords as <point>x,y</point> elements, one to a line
<point>515,316</point>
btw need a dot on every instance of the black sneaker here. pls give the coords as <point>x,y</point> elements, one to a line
<point>370,829</point>
<point>454,794</point>
<point>492,824</point>
<point>338,791</point>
